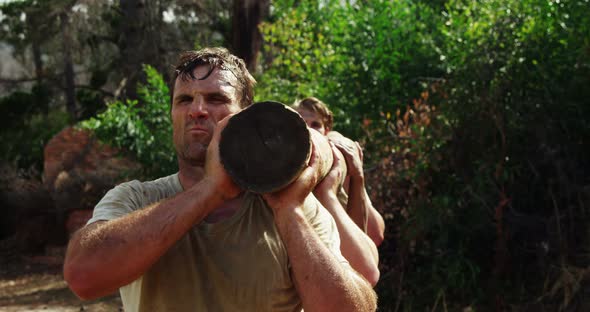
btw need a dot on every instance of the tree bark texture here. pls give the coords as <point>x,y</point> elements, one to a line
<point>36,49</point>
<point>131,44</point>
<point>266,146</point>
<point>246,38</point>
<point>70,87</point>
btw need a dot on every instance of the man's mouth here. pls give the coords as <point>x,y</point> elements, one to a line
<point>198,129</point>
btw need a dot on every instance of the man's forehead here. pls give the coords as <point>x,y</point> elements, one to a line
<point>207,72</point>
<point>207,75</point>
<point>307,113</point>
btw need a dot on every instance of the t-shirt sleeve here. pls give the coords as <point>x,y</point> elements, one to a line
<point>324,225</point>
<point>117,202</point>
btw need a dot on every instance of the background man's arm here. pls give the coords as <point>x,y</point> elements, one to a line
<point>362,212</point>
<point>323,283</point>
<point>356,246</point>
<point>359,206</point>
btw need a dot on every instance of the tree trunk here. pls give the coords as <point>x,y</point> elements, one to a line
<point>37,61</point>
<point>246,38</point>
<point>36,49</point>
<point>154,34</point>
<point>68,67</point>
<point>131,44</point>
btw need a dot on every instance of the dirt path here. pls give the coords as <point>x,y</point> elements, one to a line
<point>35,283</point>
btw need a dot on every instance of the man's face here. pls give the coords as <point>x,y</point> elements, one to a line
<point>197,107</point>
<point>313,120</point>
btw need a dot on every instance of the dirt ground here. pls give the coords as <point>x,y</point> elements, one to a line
<point>35,283</point>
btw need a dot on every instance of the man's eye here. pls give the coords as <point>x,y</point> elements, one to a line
<point>184,101</point>
<point>316,125</point>
<point>218,100</point>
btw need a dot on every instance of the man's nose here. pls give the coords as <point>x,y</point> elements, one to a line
<point>198,109</point>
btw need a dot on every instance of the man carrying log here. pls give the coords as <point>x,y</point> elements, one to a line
<point>193,241</point>
<point>353,197</point>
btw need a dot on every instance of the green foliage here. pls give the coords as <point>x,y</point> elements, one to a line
<point>27,126</point>
<point>516,70</point>
<point>35,25</point>
<point>16,106</point>
<point>360,59</point>
<point>474,117</point>
<point>483,177</point>
<point>143,130</point>
<point>24,145</point>
<point>90,101</point>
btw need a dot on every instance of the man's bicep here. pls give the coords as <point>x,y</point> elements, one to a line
<point>116,203</point>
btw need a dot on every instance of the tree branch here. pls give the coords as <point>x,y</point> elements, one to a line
<point>104,92</point>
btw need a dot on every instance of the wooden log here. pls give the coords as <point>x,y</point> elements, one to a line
<point>266,146</point>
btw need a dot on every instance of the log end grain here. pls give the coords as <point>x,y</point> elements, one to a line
<point>265,147</point>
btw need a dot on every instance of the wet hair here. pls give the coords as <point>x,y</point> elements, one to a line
<point>313,104</point>
<point>215,58</point>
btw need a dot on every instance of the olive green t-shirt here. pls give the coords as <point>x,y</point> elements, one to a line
<point>238,264</point>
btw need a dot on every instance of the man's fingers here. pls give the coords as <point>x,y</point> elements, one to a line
<point>313,158</point>
<point>335,155</point>
<point>346,152</point>
<point>222,123</point>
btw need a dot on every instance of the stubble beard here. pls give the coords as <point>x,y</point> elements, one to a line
<point>195,153</point>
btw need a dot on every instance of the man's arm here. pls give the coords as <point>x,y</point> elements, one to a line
<point>359,206</point>
<point>323,283</point>
<point>106,255</point>
<point>361,210</point>
<point>356,246</point>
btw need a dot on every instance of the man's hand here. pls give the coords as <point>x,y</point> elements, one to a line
<point>214,171</point>
<point>352,151</point>
<point>293,195</point>
<point>333,180</point>
<point>359,206</point>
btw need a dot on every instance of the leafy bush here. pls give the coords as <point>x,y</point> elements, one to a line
<point>481,177</point>
<point>519,116</point>
<point>361,59</point>
<point>27,127</point>
<point>143,130</point>
<point>90,102</point>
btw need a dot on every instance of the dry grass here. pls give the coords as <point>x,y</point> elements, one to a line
<point>35,283</point>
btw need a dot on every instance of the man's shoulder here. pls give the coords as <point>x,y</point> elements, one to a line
<point>133,195</point>
<point>169,183</point>
<point>141,193</point>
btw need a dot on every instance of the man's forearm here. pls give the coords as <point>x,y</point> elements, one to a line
<point>356,246</point>
<point>106,255</point>
<point>375,223</point>
<point>323,283</point>
<point>357,202</point>
<point>361,211</point>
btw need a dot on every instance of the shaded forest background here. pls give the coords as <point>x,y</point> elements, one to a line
<point>473,116</point>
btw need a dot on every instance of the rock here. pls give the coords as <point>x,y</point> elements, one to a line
<point>78,153</point>
<point>77,219</point>
<point>78,170</point>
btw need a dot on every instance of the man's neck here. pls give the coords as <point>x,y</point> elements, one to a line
<point>190,175</point>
